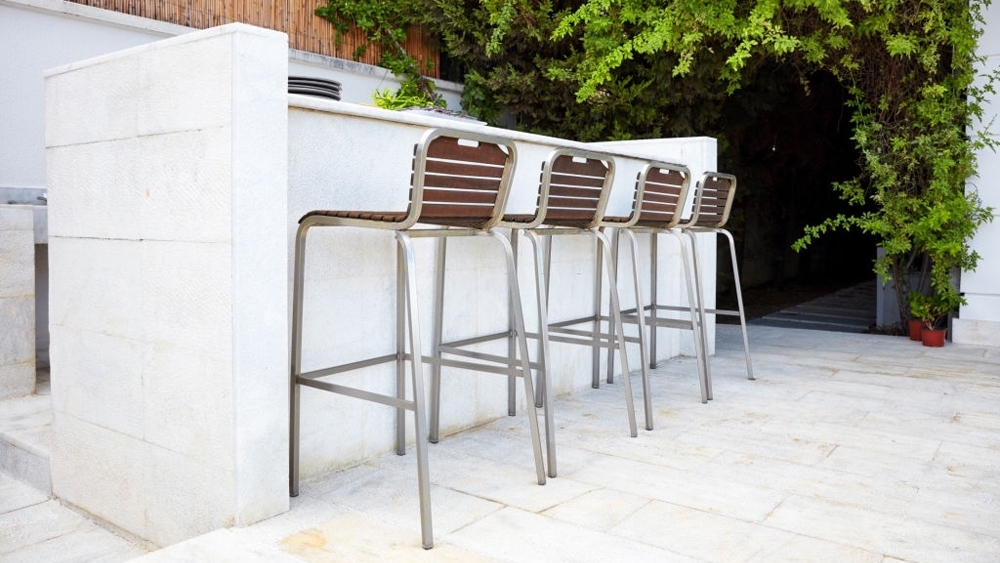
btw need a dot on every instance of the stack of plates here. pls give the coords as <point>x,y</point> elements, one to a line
<point>314,87</point>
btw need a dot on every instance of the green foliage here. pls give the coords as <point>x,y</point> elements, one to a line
<point>385,24</point>
<point>619,69</point>
<point>407,96</point>
<point>931,309</point>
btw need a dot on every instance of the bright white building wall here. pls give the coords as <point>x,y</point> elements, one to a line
<point>979,320</point>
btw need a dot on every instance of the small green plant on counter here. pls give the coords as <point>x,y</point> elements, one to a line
<point>410,94</point>
<point>385,24</point>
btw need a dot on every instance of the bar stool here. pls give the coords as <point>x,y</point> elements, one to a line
<point>459,186</point>
<point>573,196</point>
<point>662,208</point>
<point>713,201</point>
<point>665,189</point>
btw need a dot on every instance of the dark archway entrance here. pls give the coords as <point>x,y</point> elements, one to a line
<point>788,143</point>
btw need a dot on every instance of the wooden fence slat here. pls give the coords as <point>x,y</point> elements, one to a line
<point>306,31</point>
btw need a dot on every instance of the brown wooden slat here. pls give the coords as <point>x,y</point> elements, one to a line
<point>460,196</point>
<point>439,211</point>
<point>665,176</point>
<point>568,216</point>
<point>393,217</point>
<point>573,203</point>
<point>450,148</point>
<point>573,191</point>
<point>566,165</point>
<point>659,198</point>
<point>660,189</point>
<point>462,182</point>
<point>594,181</point>
<point>464,168</point>
<point>660,208</point>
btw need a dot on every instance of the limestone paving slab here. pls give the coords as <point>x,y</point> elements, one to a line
<point>819,460</point>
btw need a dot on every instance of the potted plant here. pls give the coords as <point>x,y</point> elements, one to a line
<point>931,311</point>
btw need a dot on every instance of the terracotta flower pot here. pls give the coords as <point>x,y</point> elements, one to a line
<point>933,336</point>
<point>916,325</point>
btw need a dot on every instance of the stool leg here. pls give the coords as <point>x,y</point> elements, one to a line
<point>643,352</point>
<point>400,349</point>
<point>417,374</point>
<point>604,247</point>
<point>615,239</point>
<point>653,282</point>
<point>739,302</point>
<point>296,361</point>
<point>596,345</point>
<point>702,317</point>
<point>511,346</point>
<point>697,325</point>
<point>435,406</point>
<point>544,385</point>
<point>522,338</point>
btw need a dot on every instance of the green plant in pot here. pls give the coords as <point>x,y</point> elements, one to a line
<point>931,309</point>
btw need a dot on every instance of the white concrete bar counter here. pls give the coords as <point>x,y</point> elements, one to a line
<point>177,174</point>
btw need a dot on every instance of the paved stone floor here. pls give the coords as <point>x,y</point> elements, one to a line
<point>847,448</point>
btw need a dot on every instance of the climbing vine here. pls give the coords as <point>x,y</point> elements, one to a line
<point>616,69</point>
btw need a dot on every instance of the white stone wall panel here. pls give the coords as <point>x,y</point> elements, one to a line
<point>17,301</point>
<point>93,114</point>
<point>182,181</point>
<point>93,189</point>
<point>99,470</point>
<point>111,366</point>
<point>105,272</point>
<point>187,407</point>
<point>186,295</point>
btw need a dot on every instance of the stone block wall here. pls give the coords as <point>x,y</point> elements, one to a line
<point>17,301</point>
<point>168,294</point>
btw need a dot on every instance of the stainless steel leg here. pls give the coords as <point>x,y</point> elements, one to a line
<point>544,385</point>
<point>435,407</point>
<point>653,282</point>
<point>700,301</point>
<point>417,372</point>
<point>698,333</point>
<point>596,345</point>
<point>615,313</point>
<point>615,239</point>
<point>400,350</point>
<point>296,361</point>
<point>739,302</point>
<point>512,345</point>
<point>643,352</point>
<point>522,338</point>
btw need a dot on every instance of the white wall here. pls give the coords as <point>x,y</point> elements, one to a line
<point>979,321</point>
<point>167,174</point>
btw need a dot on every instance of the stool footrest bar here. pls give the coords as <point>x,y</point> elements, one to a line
<point>348,367</point>
<point>358,393</point>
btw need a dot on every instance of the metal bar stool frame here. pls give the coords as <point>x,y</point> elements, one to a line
<point>459,194</point>
<point>666,187</point>
<point>567,205</point>
<point>713,202</point>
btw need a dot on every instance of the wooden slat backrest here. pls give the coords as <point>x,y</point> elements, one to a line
<point>714,200</point>
<point>460,179</point>
<point>665,189</point>
<point>577,189</point>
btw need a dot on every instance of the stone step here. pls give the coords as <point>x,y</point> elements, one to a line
<point>26,435</point>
